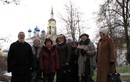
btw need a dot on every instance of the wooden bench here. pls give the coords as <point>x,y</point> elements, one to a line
<point>125,77</point>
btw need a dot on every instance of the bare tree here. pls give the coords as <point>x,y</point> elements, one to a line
<point>125,14</point>
<point>17,2</point>
<point>114,14</point>
<point>73,20</point>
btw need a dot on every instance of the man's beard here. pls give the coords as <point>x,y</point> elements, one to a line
<point>21,40</point>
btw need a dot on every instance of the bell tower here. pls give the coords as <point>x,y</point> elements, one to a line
<point>51,29</point>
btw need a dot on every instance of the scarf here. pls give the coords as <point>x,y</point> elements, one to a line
<point>86,42</point>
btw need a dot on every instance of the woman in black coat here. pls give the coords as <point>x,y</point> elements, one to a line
<point>64,51</point>
<point>36,47</point>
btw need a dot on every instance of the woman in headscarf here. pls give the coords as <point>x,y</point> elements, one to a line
<point>105,56</point>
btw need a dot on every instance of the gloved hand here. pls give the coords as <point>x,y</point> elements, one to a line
<point>80,47</point>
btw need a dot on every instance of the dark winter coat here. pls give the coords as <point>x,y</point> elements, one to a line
<point>64,51</point>
<point>20,58</point>
<point>74,66</point>
<point>49,60</point>
<point>105,59</point>
<point>36,56</point>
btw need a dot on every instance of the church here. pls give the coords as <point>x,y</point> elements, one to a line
<point>51,31</point>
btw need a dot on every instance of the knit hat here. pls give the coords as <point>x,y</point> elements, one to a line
<point>104,31</point>
<point>69,39</point>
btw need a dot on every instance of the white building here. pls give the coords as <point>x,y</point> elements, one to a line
<point>51,31</point>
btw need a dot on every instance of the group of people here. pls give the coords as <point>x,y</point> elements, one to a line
<point>69,61</point>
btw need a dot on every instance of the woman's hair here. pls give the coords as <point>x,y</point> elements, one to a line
<point>48,39</point>
<point>61,36</point>
<point>36,39</point>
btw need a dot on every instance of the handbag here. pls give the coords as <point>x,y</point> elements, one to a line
<point>113,77</point>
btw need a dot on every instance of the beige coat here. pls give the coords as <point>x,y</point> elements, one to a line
<point>81,60</point>
<point>105,59</point>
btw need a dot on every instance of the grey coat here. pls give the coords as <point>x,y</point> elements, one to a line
<point>90,53</point>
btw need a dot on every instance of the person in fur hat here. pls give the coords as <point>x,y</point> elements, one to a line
<point>86,52</point>
<point>105,56</point>
<point>49,60</point>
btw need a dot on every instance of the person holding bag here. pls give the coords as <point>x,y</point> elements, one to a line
<point>105,56</point>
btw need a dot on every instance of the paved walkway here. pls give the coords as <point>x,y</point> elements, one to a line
<point>125,77</point>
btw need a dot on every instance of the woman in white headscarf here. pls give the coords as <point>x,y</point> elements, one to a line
<point>105,56</point>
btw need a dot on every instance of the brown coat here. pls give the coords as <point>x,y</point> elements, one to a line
<point>105,59</point>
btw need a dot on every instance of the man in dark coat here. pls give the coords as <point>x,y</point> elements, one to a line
<point>20,60</point>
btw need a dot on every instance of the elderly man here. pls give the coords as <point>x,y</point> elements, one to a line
<point>20,60</point>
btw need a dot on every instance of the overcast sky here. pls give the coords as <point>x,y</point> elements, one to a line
<point>32,13</point>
